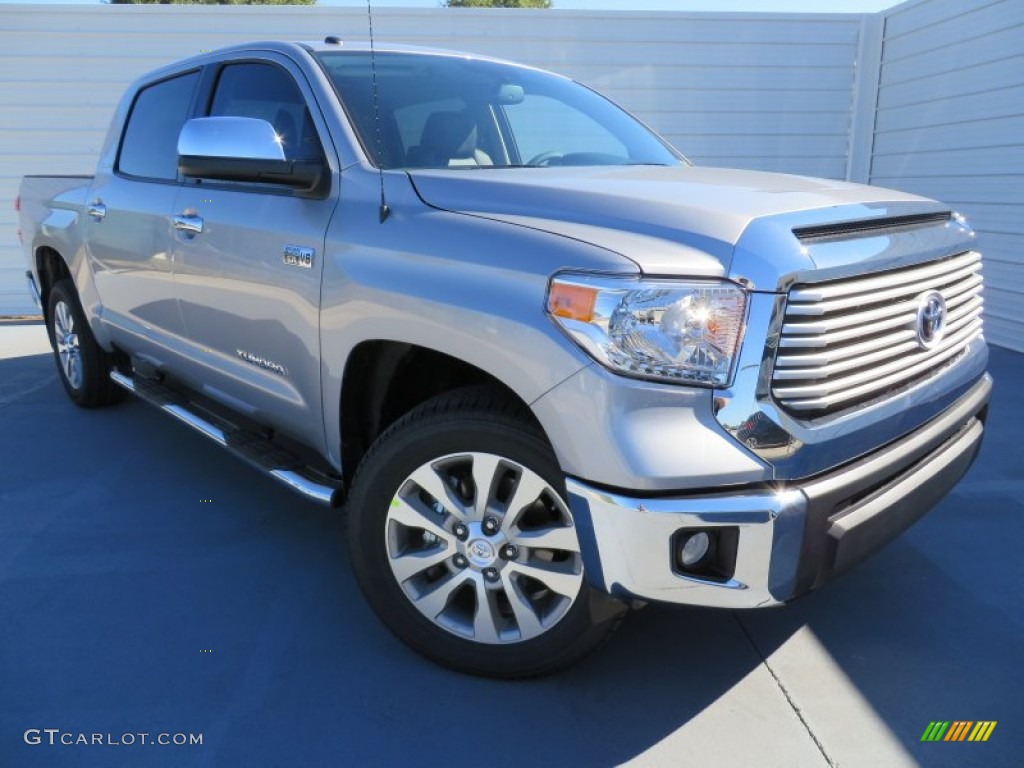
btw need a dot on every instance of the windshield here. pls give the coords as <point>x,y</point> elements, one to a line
<point>440,111</point>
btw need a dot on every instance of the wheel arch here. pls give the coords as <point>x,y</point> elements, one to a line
<point>50,267</point>
<point>383,380</point>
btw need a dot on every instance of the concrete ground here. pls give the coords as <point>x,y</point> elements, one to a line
<point>151,583</point>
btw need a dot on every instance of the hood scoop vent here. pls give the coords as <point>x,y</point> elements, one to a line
<point>848,229</point>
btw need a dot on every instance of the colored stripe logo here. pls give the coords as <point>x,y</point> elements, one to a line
<point>958,730</point>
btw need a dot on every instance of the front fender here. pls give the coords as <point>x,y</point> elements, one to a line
<point>471,288</point>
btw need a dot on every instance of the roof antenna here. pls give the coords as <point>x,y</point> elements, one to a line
<point>384,210</point>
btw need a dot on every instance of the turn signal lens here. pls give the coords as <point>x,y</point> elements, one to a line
<point>575,302</point>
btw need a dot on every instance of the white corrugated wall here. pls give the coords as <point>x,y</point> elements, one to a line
<point>949,124</point>
<point>787,92</point>
<point>761,91</point>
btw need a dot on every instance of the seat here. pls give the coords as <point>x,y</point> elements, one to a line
<point>448,141</point>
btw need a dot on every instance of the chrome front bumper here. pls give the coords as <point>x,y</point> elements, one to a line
<point>792,538</point>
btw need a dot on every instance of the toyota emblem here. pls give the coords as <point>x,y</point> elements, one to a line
<point>931,319</point>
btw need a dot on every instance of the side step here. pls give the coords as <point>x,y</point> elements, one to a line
<point>254,449</point>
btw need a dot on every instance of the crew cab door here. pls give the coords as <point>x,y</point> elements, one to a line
<point>248,262</point>
<point>125,223</point>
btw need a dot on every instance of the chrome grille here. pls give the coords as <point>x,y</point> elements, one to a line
<point>846,342</point>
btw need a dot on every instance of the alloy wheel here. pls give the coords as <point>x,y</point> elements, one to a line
<point>484,548</point>
<point>66,338</point>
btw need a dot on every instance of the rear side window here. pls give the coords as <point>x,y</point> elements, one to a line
<point>268,92</point>
<point>150,145</point>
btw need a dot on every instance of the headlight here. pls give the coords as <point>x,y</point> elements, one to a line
<point>667,330</point>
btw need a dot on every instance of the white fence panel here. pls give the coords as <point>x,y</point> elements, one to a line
<point>950,125</point>
<point>944,117</point>
<point>765,91</point>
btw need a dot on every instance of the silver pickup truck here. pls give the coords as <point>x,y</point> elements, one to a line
<point>552,369</point>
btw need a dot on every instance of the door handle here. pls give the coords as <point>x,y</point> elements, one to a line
<point>97,210</point>
<point>192,225</point>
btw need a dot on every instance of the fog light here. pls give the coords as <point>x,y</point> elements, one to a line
<point>708,554</point>
<point>694,550</point>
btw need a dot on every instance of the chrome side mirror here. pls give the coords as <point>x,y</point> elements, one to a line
<point>236,137</point>
<point>241,149</point>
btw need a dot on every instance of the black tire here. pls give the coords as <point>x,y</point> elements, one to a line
<point>474,422</point>
<point>83,365</point>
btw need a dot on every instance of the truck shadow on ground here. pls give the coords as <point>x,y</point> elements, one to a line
<point>150,582</point>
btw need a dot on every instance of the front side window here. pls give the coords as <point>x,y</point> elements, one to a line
<point>150,145</point>
<point>439,111</point>
<point>268,92</point>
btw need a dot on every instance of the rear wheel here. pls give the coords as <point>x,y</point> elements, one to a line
<point>83,365</point>
<point>465,547</point>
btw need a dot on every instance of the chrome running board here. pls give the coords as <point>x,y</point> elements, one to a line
<point>253,449</point>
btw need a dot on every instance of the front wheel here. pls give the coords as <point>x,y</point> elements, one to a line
<point>465,547</point>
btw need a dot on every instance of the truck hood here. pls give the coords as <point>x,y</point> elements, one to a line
<point>669,220</point>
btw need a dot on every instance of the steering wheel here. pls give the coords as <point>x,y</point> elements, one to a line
<point>546,158</point>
